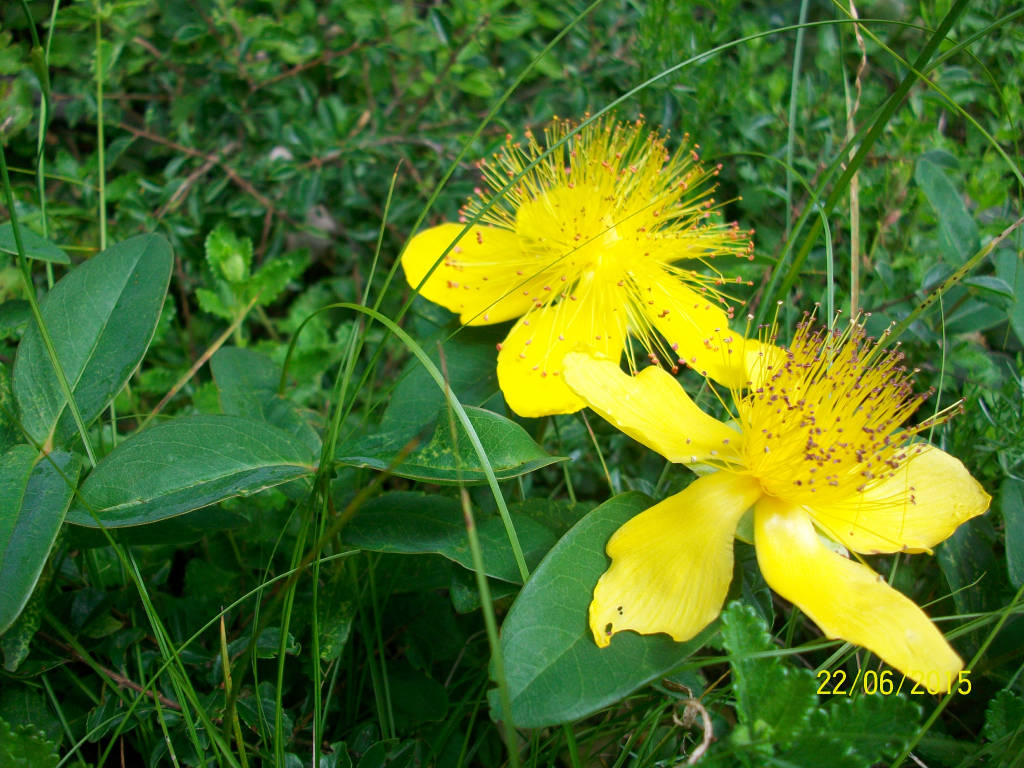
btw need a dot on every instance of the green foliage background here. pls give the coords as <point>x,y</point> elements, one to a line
<point>324,607</point>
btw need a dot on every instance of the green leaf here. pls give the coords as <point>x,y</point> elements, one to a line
<point>510,450</point>
<point>555,671</point>
<point>773,701</point>
<point>101,317</point>
<point>212,304</point>
<point>16,640</point>
<point>36,247</point>
<point>1004,727</point>
<point>861,730</point>
<point>274,276</point>
<point>1004,716</point>
<point>247,383</point>
<point>1011,502</point>
<point>22,747</point>
<point>958,233</point>
<point>9,432</point>
<point>185,464</point>
<point>417,698</point>
<point>469,362</point>
<point>34,495</point>
<point>1010,268</point>
<point>419,523</point>
<point>15,314</point>
<point>229,256</point>
<point>182,529</point>
<point>968,561</point>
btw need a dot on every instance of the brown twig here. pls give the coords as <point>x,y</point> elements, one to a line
<point>217,344</point>
<point>230,172</point>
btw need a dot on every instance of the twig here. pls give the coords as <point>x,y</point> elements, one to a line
<point>217,344</point>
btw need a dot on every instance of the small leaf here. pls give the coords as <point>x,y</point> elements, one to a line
<point>34,495</point>
<point>22,747</point>
<point>555,671</point>
<point>510,451</point>
<point>211,303</point>
<point>1004,716</point>
<point>858,731</point>
<point>274,276</point>
<point>229,256</point>
<point>101,317</point>
<point>958,233</point>
<point>419,523</point>
<point>1011,501</point>
<point>185,464</point>
<point>36,247</point>
<point>773,701</point>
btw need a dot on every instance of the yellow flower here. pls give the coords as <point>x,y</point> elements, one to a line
<point>816,448</point>
<point>582,248</point>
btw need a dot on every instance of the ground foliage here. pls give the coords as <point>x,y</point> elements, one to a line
<point>247,542</point>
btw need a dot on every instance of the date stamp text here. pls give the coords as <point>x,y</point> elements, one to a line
<point>886,683</point>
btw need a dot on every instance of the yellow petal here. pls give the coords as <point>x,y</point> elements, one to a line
<point>921,505</point>
<point>847,599</point>
<point>485,277</point>
<point>697,328</point>
<point>530,370</point>
<point>672,564</point>
<point>652,408</point>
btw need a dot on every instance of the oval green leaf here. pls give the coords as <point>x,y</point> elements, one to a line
<point>36,247</point>
<point>185,464</point>
<point>34,495</point>
<point>555,671</point>
<point>510,450</point>
<point>958,232</point>
<point>420,523</point>
<point>101,317</point>
<point>247,384</point>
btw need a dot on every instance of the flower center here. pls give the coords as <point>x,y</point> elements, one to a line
<point>574,229</point>
<point>825,421</point>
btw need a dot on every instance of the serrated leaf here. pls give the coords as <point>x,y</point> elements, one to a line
<point>773,700</point>
<point>958,233</point>
<point>510,450</point>
<point>247,385</point>
<point>101,317</point>
<point>184,464</point>
<point>1004,727</point>
<point>36,247</point>
<point>229,256</point>
<point>212,304</point>
<point>874,726</point>
<point>420,523</point>
<point>274,276</point>
<point>22,747</point>
<point>555,671</point>
<point>34,495</point>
